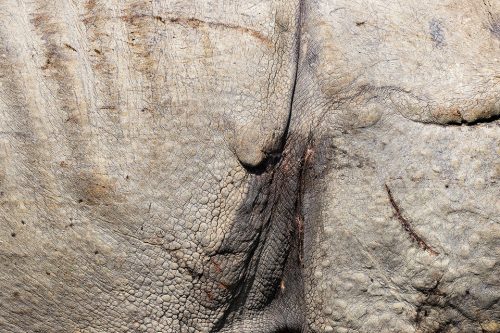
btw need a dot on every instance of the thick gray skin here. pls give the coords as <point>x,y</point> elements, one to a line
<point>249,167</point>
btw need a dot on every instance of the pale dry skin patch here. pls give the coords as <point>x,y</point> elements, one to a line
<point>146,185</point>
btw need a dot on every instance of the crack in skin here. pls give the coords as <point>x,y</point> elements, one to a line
<point>407,225</point>
<point>479,121</point>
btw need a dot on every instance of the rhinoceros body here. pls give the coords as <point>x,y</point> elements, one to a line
<point>248,166</point>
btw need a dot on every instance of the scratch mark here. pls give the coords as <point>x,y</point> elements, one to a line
<point>70,47</point>
<point>408,227</point>
<point>197,23</point>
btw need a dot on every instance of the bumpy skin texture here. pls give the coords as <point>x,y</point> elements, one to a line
<point>249,166</point>
<point>408,237</point>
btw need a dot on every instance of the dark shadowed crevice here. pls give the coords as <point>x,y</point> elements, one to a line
<point>298,36</point>
<point>270,160</point>
<point>268,235</point>
<point>287,330</point>
<point>490,119</point>
<point>486,120</point>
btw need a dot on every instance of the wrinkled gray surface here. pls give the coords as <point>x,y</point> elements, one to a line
<point>246,166</point>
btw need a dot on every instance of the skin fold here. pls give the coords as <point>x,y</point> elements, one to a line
<point>248,166</point>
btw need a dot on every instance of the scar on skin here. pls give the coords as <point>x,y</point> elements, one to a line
<point>196,23</point>
<point>407,226</point>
